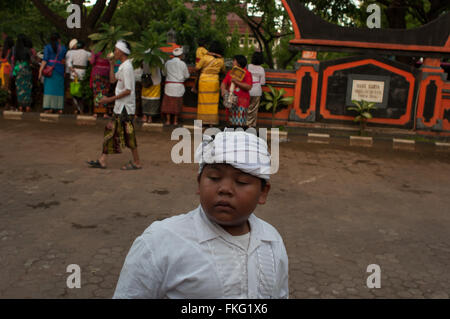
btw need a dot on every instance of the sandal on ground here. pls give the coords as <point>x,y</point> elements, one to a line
<point>96,164</point>
<point>129,167</point>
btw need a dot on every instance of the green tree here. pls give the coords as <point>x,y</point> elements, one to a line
<point>22,16</point>
<point>91,19</point>
<point>107,37</point>
<point>265,18</point>
<point>142,11</point>
<point>233,43</point>
<point>190,25</point>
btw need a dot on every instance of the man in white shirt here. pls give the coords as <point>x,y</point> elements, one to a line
<point>72,47</point>
<point>220,249</point>
<point>120,131</point>
<point>176,74</point>
<point>78,62</point>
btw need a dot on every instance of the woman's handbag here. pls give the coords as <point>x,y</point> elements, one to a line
<point>75,88</point>
<point>230,100</point>
<point>48,70</point>
<point>146,80</point>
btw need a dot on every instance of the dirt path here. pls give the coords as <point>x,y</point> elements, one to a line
<point>338,209</point>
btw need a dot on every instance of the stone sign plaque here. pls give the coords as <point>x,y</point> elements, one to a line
<point>370,88</point>
<point>371,91</point>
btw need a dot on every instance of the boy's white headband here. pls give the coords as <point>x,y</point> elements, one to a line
<point>242,150</point>
<point>122,47</point>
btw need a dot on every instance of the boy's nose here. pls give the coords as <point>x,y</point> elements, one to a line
<point>226,187</point>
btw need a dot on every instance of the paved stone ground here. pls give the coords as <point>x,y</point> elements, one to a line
<point>338,208</point>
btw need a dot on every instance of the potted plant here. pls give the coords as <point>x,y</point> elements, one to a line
<point>362,109</point>
<point>273,100</point>
<point>106,39</point>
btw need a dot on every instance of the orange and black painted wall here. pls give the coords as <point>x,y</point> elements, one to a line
<point>413,98</point>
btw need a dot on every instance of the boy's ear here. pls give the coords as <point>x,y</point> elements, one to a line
<point>264,193</point>
<point>198,184</point>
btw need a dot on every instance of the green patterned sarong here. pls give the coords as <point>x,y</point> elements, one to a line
<point>119,132</point>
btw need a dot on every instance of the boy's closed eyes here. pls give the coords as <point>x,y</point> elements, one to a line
<point>229,196</point>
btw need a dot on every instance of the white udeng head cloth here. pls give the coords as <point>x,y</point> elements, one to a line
<point>242,150</point>
<point>73,43</point>
<point>122,47</point>
<point>177,51</point>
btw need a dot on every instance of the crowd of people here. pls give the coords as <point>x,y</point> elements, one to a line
<point>59,68</point>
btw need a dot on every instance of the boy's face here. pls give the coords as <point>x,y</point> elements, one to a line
<point>229,196</point>
<point>117,54</point>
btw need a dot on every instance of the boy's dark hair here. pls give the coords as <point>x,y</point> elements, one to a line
<point>241,60</point>
<point>263,181</point>
<point>216,47</point>
<point>257,58</point>
<point>80,45</point>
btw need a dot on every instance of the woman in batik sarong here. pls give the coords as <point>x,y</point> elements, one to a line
<point>22,73</point>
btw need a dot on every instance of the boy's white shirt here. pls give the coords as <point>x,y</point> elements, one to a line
<point>125,81</point>
<point>188,256</point>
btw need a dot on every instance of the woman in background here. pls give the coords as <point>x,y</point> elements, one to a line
<point>54,54</point>
<point>22,73</point>
<point>5,64</point>
<point>237,114</point>
<point>99,82</point>
<point>210,66</point>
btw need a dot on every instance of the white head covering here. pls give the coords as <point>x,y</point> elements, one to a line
<point>177,52</point>
<point>73,43</point>
<point>122,47</point>
<point>242,150</point>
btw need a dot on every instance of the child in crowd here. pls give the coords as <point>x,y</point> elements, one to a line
<point>220,249</point>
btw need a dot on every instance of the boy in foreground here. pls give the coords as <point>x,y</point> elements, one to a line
<point>220,249</point>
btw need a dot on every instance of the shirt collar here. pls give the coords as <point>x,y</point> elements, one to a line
<point>208,230</point>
